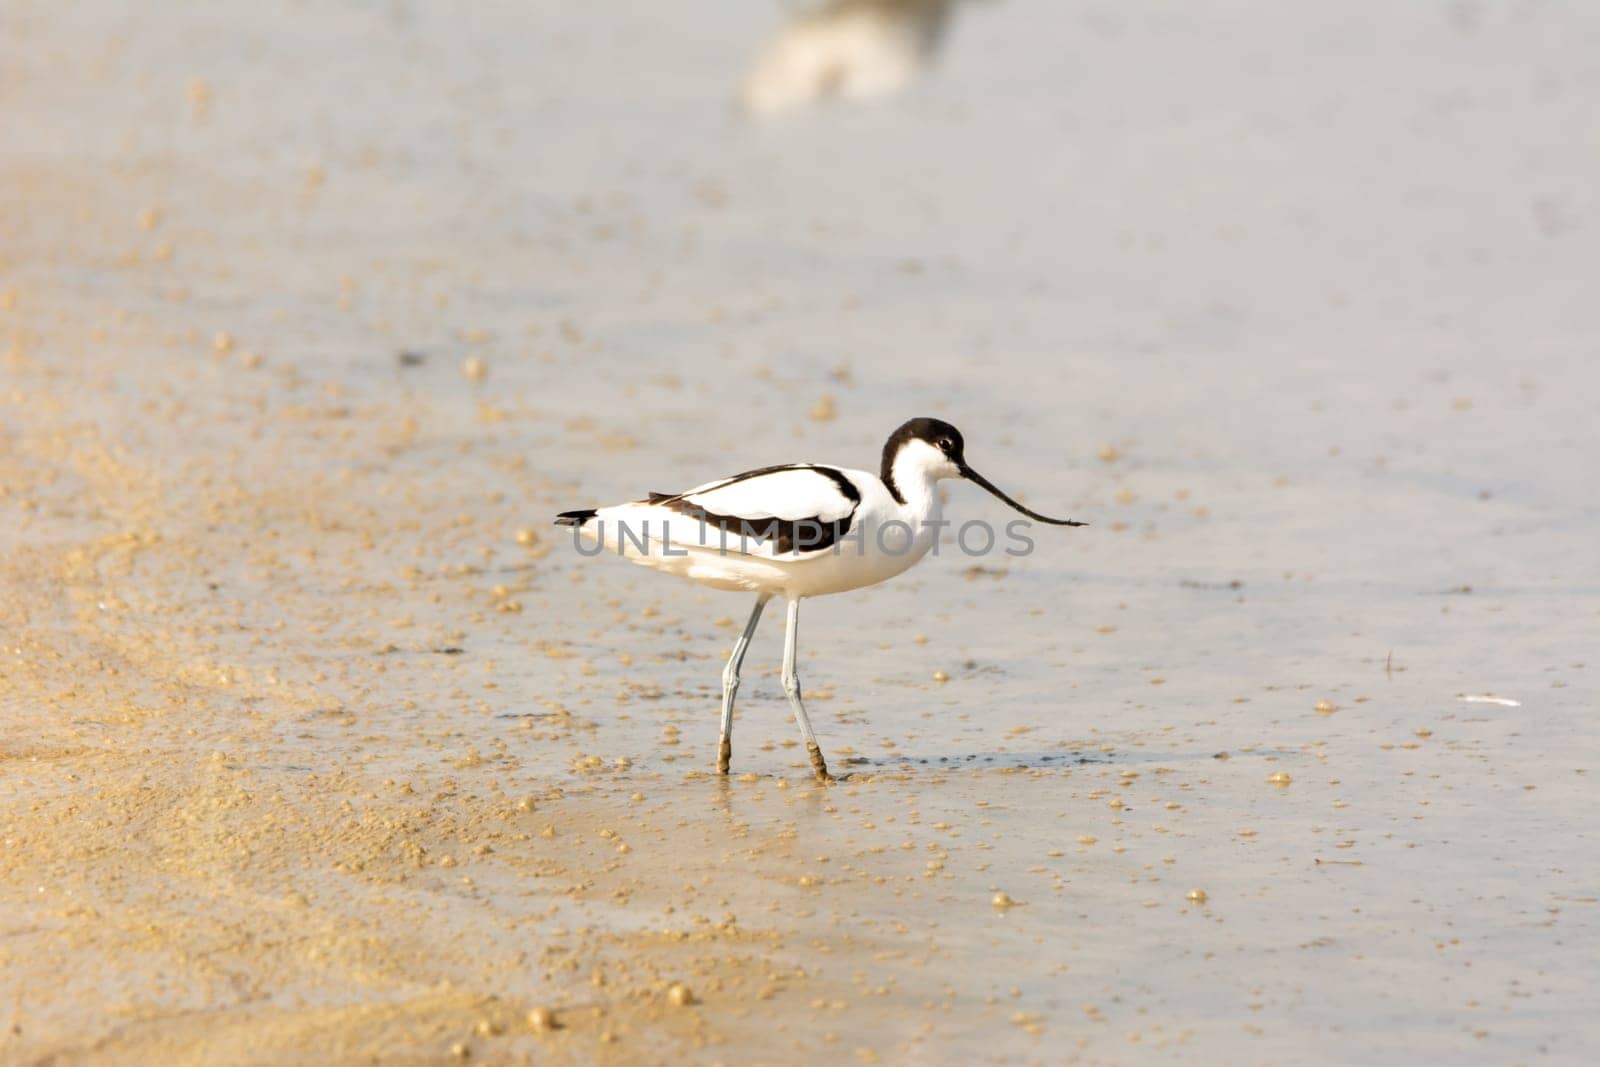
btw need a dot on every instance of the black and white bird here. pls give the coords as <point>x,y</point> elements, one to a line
<point>796,531</point>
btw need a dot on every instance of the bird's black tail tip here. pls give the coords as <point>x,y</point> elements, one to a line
<point>575,518</point>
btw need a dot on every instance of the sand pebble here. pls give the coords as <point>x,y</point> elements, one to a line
<point>199,96</point>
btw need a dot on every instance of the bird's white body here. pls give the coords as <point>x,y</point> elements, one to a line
<point>883,536</point>
<point>795,531</point>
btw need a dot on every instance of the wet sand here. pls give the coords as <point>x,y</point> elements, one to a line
<point>319,744</point>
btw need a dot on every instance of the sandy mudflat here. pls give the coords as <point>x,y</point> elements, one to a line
<point>309,753</point>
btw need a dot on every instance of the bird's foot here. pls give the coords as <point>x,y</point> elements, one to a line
<point>724,755</point>
<point>818,764</point>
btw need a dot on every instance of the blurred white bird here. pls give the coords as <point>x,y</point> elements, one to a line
<point>851,49</point>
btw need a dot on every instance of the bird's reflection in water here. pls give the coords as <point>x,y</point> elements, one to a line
<point>850,49</point>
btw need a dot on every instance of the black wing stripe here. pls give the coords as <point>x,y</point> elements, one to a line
<point>845,485</point>
<point>787,535</point>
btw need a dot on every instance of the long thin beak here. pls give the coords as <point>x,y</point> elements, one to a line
<point>973,476</point>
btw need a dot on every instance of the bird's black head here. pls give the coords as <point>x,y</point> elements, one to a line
<point>946,440</point>
<point>936,432</point>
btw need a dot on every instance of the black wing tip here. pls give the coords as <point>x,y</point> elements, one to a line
<point>575,518</point>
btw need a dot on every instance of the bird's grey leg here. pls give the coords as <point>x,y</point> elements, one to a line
<point>730,684</point>
<point>791,686</point>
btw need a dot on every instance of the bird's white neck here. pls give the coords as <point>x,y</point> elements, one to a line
<point>916,471</point>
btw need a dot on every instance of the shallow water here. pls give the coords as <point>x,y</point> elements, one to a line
<point>305,754</point>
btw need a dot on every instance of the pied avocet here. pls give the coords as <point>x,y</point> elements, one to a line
<point>796,531</point>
